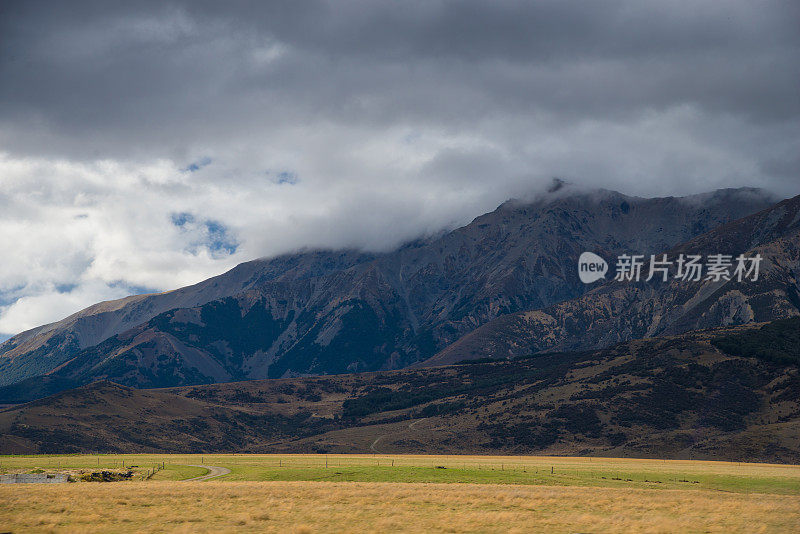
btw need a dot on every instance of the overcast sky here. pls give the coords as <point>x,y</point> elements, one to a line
<point>146,146</point>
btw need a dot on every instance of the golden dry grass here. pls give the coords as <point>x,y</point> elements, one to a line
<point>379,507</point>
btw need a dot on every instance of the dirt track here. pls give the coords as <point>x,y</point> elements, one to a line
<point>213,472</point>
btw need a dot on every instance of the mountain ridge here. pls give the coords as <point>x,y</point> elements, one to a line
<point>659,308</point>
<point>339,311</point>
<point>672,397</point>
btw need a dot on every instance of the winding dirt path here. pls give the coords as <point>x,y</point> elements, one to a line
<point>213,472</point>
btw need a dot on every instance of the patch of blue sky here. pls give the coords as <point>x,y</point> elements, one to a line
<point>287,178</point>
<point>219,238</point>
<point>283,177</point>
<point>66,288</point>
<point>216,236</point>
<point>11,294</point>
<point>182,219</point>
<point>197,165</point>
<point>132,289</point>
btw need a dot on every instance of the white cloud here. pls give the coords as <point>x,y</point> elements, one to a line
<point>78,232</point>
<point>49,304</point>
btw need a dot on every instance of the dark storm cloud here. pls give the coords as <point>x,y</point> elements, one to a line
<point>113,71</point>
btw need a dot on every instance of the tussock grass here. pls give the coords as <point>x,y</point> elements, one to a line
<point>379,507</point>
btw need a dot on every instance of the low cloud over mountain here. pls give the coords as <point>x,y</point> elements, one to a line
<point>349,124</point>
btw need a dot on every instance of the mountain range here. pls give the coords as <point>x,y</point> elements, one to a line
<point>504,285</point>
<point>725,394</point>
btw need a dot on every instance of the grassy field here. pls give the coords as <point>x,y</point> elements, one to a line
<point>527,470</point>
<point>285,493</point>
<point>379,507</point>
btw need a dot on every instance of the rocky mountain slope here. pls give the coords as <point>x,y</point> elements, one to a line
<point>675,397</point>
<point>622,310</point>
<point>42,349</point>
<point>334,312</point>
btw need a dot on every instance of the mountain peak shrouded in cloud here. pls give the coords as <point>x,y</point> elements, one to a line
<point>334,311</point>
<point>283,125</point>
